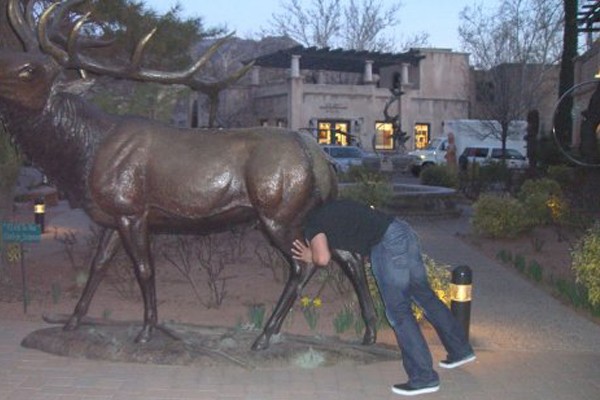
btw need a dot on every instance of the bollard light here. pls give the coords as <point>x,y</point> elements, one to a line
<point>39,212</point>
<point>460,295</point>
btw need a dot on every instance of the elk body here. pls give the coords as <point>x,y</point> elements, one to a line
<point>135,176</point>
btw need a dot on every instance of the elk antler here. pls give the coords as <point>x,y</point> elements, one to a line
<point>72,59</point>
<point>24,25</point>
<point>20,24</point>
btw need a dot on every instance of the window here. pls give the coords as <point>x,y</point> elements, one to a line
<point>281,123</point>
<point>384,136</point>
<point>480,152</point>
<point>344,152</point>
<point>421,135</point>
<point>511,154</point>
<point>333,132</point>
<point>264,122</point>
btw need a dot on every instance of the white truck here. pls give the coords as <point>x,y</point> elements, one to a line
<point>483,135</point>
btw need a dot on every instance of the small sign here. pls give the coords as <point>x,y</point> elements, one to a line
<point>14,232</point>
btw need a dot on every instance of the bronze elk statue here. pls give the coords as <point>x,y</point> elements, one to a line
<point>135,177</point>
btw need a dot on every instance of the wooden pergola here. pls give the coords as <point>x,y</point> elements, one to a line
<point>313,58</point>
<point>588,18</point>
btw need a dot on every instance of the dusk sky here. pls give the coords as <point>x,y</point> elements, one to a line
<point>438,18</point>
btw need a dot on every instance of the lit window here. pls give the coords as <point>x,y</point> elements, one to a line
<point>324,133</point>
<point>421,135</point>
<point>384,136</point>
<point>333,132</point>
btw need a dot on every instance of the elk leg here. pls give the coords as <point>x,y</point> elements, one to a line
<point>134,235</point>
<point>299,277</point>
<point>354,267</point>
<point>108,244</point>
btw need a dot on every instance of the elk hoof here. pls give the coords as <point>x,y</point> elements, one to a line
<point>370,336</point>
<point>261,343</point>
<point>144,336</point>
<point>72,324</point>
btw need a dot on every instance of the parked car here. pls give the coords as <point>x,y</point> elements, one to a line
<point>485,155</point>
<point>343,157</point>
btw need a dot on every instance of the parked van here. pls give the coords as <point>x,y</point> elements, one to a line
<point>485,155</point>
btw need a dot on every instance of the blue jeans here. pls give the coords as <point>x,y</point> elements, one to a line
<point>401,277</point>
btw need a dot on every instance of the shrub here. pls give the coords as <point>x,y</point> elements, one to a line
<point>561,174</point>
<point>586,263</point>
<point>499,216</point>
<point>520,262</point>
<point>535,271</point>
<point>372,188</point>
<point>542,199</point>
<point>439,278</point>
<point>493,173</point>
<point>439,175</point>
<point>504,255</point>
<point>344,319</point>
<point>10,164</point>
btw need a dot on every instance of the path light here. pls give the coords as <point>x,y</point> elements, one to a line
<point>460,295</point>
<point>39,212</point>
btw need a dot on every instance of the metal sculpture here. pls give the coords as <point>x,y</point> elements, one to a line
<point>135,176</point>
<point>398,135</point>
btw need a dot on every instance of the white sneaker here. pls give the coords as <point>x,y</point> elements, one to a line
<point>405,389</point>
<point>457,363</point>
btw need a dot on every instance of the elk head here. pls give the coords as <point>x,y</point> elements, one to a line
<point>28,77</point>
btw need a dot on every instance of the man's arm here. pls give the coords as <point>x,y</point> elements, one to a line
<point>316,252</point>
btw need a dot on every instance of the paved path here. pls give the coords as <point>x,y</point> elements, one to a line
<point>529,347</point>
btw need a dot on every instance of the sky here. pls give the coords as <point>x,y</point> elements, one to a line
<point>439,18</point>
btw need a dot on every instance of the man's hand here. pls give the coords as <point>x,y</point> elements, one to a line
<point>301,251</point>
<point>316,252</point>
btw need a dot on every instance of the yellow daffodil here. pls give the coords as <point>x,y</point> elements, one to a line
<point>305,301</point>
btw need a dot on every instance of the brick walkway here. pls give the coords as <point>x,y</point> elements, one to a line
<point>529,347</point>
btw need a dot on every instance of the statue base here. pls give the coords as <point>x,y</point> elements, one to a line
<point>184,344</point>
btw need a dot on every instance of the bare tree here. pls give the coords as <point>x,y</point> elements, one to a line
<point>315,25</point>
<point>320,23</point>
<point>517,31</point>
<point>365,22</point>
<point>516,48</point>
<point>414,40</point>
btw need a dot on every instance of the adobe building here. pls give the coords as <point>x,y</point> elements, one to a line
<point>340,96</point>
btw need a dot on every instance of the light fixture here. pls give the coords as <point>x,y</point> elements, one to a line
<point>39,212</point>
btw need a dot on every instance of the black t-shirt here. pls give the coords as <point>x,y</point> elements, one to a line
<point>348,225</point>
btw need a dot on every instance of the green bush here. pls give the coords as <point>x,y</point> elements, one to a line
<point>372,188</point>
<point>542,199</point>
<point>499,216</point>
<point>545,185</point>
<point>535,271</point>
<point>439,175</point>
<point>520,262</point>
<point>10,163</point>
<point>439,276</point>
<point>496,172</point>
<point>505,256</point>
<point>562,174</point>
<point>586,263</point>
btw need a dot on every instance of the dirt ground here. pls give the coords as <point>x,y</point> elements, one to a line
<point>55,272</point>
<point>56,269</point>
